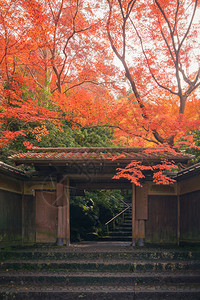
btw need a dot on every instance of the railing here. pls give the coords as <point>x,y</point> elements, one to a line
<point>113,220</point>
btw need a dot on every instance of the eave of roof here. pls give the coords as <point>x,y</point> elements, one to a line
<point>189,172</point>
<point>10,170</point>
<point>96,154</point>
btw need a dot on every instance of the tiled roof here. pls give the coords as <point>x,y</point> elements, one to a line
<point>5,168</point>
<point>188,172</point>
<point>96,154</point>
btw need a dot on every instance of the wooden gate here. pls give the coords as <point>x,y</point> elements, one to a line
<point>46,217</point>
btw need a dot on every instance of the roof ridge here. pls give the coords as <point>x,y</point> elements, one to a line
<point>90,149</point>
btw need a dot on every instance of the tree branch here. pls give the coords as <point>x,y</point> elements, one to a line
<point>149,67</point>
<point>189,27</point>
<point>85,81</point>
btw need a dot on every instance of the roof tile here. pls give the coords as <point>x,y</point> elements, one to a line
<point>84,154</point>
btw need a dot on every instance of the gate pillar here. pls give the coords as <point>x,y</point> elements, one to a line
<point>63,202</point>
<point>133,216</point>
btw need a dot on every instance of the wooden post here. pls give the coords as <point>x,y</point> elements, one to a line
<point>59,201</point>
<point>67,213</point>
<point>136,229</point>
<point>60,226</point>
<point>141,232</point>
<point>178,213</point>
<point>64,215</point>
<point>23,215</point>
<point>141,209</point>
<point>133,215</point>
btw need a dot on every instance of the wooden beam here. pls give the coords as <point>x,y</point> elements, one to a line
<point>101,185</point>
<point>64,215</point>
<point>67,213</point>
<point>178,213</point>
<point>190,185</point>
<point>60,226</point>
<point>136,228</point>
<point>133,215</point>
<point>60,204</point>
<point>141,204</point>
<point>141,232</point>
<point>59,194</point>
<point>23,215</point>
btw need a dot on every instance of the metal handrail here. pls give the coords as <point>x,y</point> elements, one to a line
<point>119,214</point>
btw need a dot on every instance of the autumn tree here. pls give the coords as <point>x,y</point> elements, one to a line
<point>47,49</point>
<point>70,48</point>
<point>157,44</point>
<point>166,32</point>
<point>19,103</point>
<point>57,66</point>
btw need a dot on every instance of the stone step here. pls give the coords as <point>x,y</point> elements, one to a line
<point>118,278</point>
<point>94,292</point>
<point>100,270</point>
<point>128,220</point>
<point>127,238</point>
<point>104,265</point>
<point>118,252</point>
<point>124,227</point>
<point>128,213</point>
<point>127,223</point>
<point>119,233</point>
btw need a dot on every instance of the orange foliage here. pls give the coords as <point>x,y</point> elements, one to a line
<point>56,64</point>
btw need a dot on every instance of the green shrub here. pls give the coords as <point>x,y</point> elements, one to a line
<point>90,213</point>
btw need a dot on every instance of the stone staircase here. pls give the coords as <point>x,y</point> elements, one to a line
<point>123,231</point>
<point>99,270</point>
